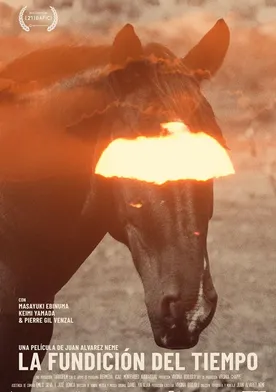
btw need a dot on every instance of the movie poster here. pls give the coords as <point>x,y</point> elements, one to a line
<point>138,195</point>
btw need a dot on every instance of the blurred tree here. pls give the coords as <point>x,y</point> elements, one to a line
<point>270,3</point>
<point>42,3</point>
<point>196,3</point>
<point>8,20</point>
<point>55,3</point>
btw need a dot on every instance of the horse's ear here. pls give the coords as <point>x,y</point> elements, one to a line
<point>126,46</point>
<point>208,55</point>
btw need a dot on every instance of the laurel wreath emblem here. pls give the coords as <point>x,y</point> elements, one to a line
<point>21,20</point>
<point>55,21</point>
<point>25,27</point>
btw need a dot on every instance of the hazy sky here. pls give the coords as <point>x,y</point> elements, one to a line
<point>261,10</point>
<point>163,16</point>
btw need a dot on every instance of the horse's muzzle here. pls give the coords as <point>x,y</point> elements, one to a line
<point>181,330</point>
<point>177,339</point>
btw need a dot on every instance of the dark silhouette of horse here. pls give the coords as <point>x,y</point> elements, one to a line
<point>54,210</point>
<point>51,218</point>
<point>48,227</point>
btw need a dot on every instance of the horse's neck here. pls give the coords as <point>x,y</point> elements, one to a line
<point>33,148</point>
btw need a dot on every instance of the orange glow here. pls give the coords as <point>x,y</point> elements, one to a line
<point>136,205</point>
<point>180,155</point>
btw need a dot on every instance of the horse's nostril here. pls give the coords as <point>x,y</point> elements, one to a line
<point>171,306</point>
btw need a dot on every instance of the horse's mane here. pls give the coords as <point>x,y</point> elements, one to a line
<point>68,79</point>
<point>50,65</point>
<point>61,73</point>
<point>176,87</point>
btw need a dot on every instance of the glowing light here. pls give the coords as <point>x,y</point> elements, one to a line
<point>136,205</point>
<point>179,155</point>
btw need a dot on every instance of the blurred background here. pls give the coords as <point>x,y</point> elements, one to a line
<point>105,295</point>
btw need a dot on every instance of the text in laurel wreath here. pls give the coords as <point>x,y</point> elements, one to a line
<point>32,19</point>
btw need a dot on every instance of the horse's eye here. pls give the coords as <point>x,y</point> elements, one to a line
<point>136,204</point>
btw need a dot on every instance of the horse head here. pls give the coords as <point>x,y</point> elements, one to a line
<point>164,224</point>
